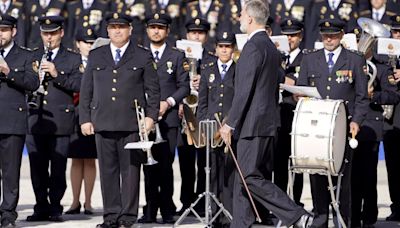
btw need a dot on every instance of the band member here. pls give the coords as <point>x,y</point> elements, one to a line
<point>293,29</point>
<point>231,14</point>
<point>174,86</point>
<point>16,10</point>
<point>254,118</point>
<point>391,137</point>
<point>16,76</point>
<point>215,97</point>
<point>364,198</point>
<point>346,81</point>
<point>82,148</point>
<point>51,121</point>
<point>381,11</point>
<point>118,76</point>
<point>35,9</point>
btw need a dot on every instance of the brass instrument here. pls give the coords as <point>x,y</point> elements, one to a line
<point>159,139</point>
<point>191,128</point>
<point>143,134</point>
<point>193,99</point>
<point>33,98</point>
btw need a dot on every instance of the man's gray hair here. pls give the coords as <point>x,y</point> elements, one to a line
<point>258,9</point>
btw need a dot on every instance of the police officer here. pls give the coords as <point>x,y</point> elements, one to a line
<point>391,137</point>
<point>35,9</point>
<point>215,97</point>
<point>117,78</point>
<point>84,14</point>
<point>174,85</point>
<point>381,11</point>
<point>196,31</point>
<point>16,76</point>
<point>16,10</point>
<point>51,122</point>
<point>347,81</point>
<point>293,29</point>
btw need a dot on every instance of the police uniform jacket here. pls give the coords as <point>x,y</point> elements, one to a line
<point>55,115</point>
<point>174,82</point>
<point>12,91</point>
<point>78,17</point>
<point>385,19</point>
<point>108,91</point>
<point>33,11</point>
<point>347,80</point>
<point>206,58</point>
<point>16,10</point>
<point>215,94</point>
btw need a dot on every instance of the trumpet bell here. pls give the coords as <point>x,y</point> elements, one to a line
<point>192,100</point>
<point>151,161</point>
<point>371,30</point>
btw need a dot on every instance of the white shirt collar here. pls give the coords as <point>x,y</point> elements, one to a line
<point>7,3</point>
<point>380,11</point>
<point>8,49</point>
<point>123,49</point>
<point>84,2</point>
<point>228,65</point>
<point>336,54</point>
<point>254,32</point>
<point>160,50</point>
<point>293,55</point>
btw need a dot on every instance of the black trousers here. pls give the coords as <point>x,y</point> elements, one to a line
<point>321,196</point>
<point>364,197</point>
<point>49,188</point>
<point>222,180</point>
<point>281,159</point>
<point>119,175</point>
<point>11,147</point>
<point>187,163</point>
<point>254,153</point>
<point>392,157</point>
<point>159,179</point>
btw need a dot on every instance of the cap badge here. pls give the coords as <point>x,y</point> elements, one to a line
<point>225,35</point>
<point>115,16</point>
<point>197,21</point>
<point>289,22</point>
<point>48,21</point>
<point>327,24</point>
<point>156,16</point>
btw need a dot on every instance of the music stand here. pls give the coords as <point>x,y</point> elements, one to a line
<point>208,128</point>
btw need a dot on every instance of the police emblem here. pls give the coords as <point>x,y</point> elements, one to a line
<point>35,66</point>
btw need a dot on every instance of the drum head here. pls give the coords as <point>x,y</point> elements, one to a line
<point>339,139</point>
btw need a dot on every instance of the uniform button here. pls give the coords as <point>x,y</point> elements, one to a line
<point>113,89</point>
<point>114,80</point>
<point>46,93</point>
<point>44,102</point>
<point>62,72</point>
<point>114,71</point>
<point>377,118</point>
<point>220,104</point>
<point>20,109</point>
<point>67,110</point>
<point>12,79</point>
<point>134,68</point>
<point>46,83</point>
<point>221,95</point>
<point>209,87</point>
<point>113,98</point>
<point>329,79</point>
<point>16,70</point>
<point>327,97</point>
<point>346,102</point>
<point>312,76</point>
<point>222,85</point>
<point>98,68</point>
<point>328,88</point>
<point>287,14</point>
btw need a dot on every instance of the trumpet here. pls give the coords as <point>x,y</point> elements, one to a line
<point>193,99</point>
<point>159,139</point>
<point>33,98</point>
<point>143,134</point>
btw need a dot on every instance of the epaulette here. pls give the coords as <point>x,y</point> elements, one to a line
<point>390,13</point>
<point>308,51</point>
<point>365,12</point>
<point>177,49</point>
<point>356,52</point>
<point>351,2</point>
<point>211,53</point>
<point>72,1</point>
<point>71,50</point>
<point>25,48</point>
<point>35,48</point>
<point>62,1</point>
<point>16,3</point>
<point>318,1</point>
<point>145,48</point>
<point>192,3</point>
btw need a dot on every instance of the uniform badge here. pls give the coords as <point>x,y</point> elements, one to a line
<point>345,11</point>
<point>323,10</point>
<point>33,9</point>
<point>298,12</point>
<point>35,66</point>
<point>169,67</point>
<point>211,78</point>
<point>81,68</point>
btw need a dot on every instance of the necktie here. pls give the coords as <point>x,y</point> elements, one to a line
<point>156,57</point>
<point>3,8</point>
<point>162,4</point>
<point>330,62</point>
<point>43,3</point>
<point>2,53</point>
<point>333,4</point>
<point>376,14</point>
<point>49,55</point>
<point>203,7</point>
<point>224,66</point>
<point>117,56</point>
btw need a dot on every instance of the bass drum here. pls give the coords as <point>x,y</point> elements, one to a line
<point>319,132</point>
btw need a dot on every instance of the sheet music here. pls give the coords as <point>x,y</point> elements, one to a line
<point>303,90</point>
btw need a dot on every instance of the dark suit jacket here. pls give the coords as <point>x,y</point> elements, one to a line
<point>175,85</point>
<point>314,72</point>
<point>255,104</point>
<point>55,114</point>
<point>215,94</point>
<point>108,91</point>
<point>12,91</point>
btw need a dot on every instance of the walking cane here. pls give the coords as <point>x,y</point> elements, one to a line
<point>240,173</point>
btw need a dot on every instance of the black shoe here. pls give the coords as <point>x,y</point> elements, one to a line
<point>146,219</point>
<point>74,211</point>
<point>35,217</point>
<point>125,224</point>
<point>304,221</point>
<point>7,223</point>
<point>168,219</point>
<point>56,218</point>
<point>107,224</point>
<point>393,217</point>
<point>87,211</point>
<point>367,225</point>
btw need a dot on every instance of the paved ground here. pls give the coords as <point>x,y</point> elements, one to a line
<point>27,200</point>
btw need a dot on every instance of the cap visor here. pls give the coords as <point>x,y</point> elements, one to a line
<point>50,29</point>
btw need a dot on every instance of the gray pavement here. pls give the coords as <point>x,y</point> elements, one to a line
<point>27,200</point>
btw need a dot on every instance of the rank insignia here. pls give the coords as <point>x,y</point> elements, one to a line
<point>169,67</point>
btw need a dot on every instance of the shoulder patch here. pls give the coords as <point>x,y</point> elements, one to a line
<point>18,4</point>
<point>318,1</point>
<point>351,2</point>
<point>390,13</point>
<point>308,51</point>
<point>25,48</point>
<point>356,52</point>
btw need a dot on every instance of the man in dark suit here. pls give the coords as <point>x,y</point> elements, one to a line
<point>338,74</point>
<point>174,86</point>
<point>215,97</point>
<point>16,10</point>
<point>293,29</point>
<point>118,76</point>
<point>391,138</point>
<point>35,9</point>
<point>16,76</point>
<point>51,121</point>
<point>254,119</point>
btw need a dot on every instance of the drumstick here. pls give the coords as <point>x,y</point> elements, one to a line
<point>240,173</point>
<point>353,141</point>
